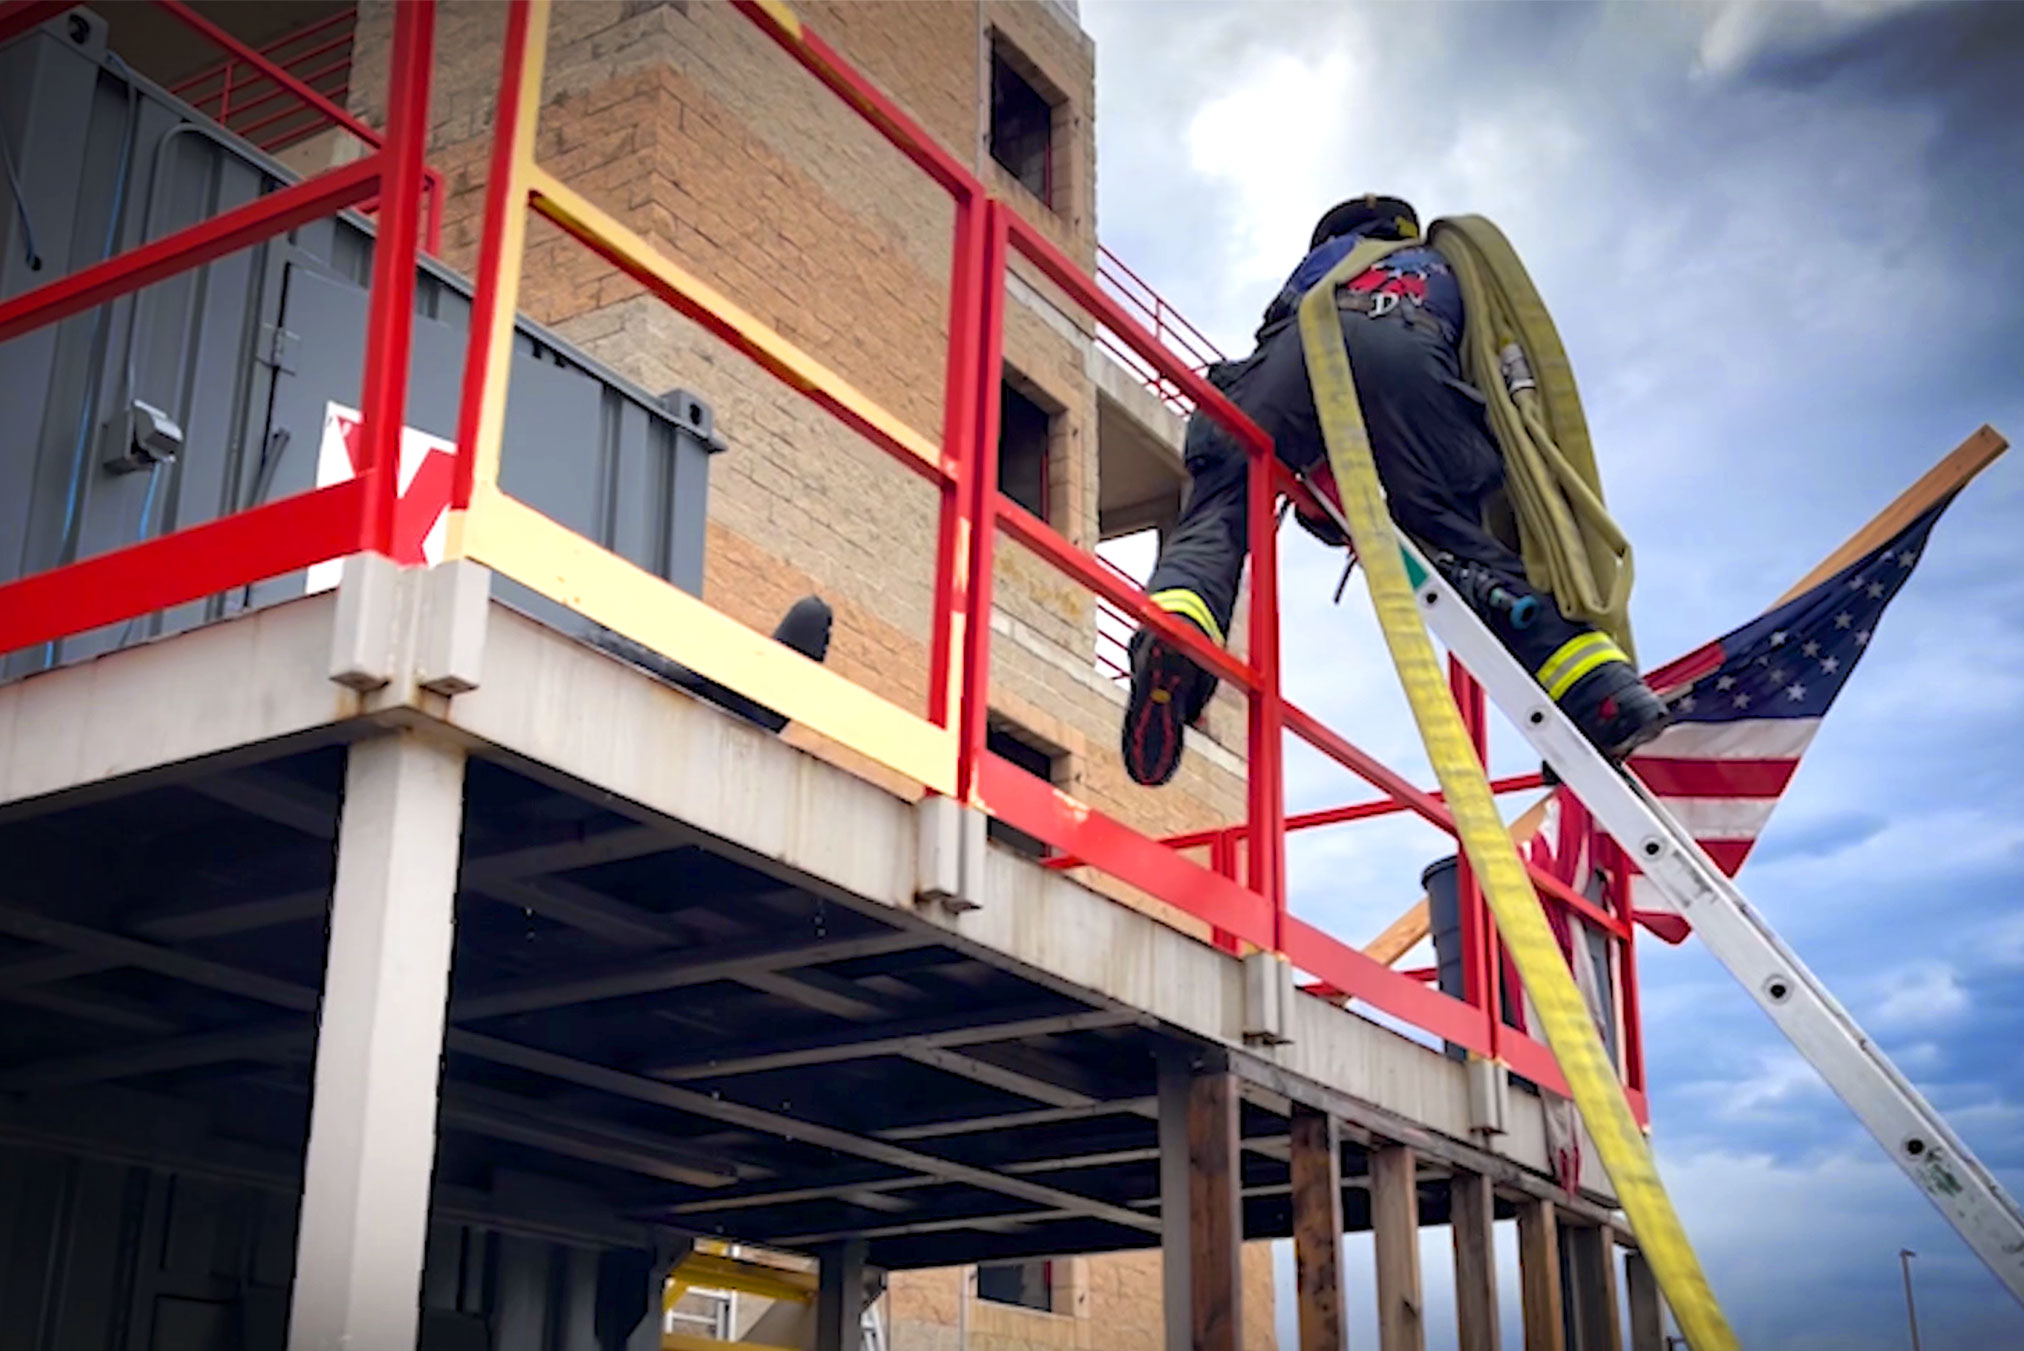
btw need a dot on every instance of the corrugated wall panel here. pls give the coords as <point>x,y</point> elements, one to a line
<point>246,354</point>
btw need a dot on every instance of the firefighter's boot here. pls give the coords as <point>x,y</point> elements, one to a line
<point>1169,693</point>
<point>1606,700</point>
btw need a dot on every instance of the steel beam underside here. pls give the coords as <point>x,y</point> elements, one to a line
<point>658,1019</point>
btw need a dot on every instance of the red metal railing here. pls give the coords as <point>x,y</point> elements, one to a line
<point>1113,632</point>
<point>289,105</point>
<point>295,532</point>
<point>1242,892</point>
<point>318,55</point>
<point>1151,309</point>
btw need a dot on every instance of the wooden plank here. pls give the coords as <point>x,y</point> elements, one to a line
<point>1317,1229</point>
<point>1395,1228</point>
<point>1591,1263</point>
<point>1539,1276</point>
<point>1472,1215</point>
<point>1966,460</point>
<point>1215,1217</point>
<point>1647,1313</point>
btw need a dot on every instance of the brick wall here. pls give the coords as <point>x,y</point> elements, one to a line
<point>1108,1303</point>
<point>690,126</point>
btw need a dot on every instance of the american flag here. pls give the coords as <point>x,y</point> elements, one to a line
<point>1747,705</point>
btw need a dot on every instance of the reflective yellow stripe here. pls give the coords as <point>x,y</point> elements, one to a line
<point>1575,659</point>
<point>1572,650</point>
<point>1574,673</point>
<point>1181,601</point>
<point>1570,1030</point>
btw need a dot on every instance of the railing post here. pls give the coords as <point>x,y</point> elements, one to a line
<point>488,353</point>
<point>1266,870</point>
<point>1479,943</point>
<point>390,321</point>
<point>1620,893</point>
<point>957,520</point>
<point>973,714</point>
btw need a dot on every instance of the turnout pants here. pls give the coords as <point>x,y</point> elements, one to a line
<point>1434,454</point>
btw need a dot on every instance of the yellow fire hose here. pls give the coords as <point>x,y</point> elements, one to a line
<point>1570,1031</point>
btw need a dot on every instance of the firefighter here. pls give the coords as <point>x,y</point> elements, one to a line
<point>1440,466</point>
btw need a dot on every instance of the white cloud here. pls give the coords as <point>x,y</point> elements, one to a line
<point>1734,32</point>
<point>1921,995</point>
<point>1781,1078</point>
<point>2005,941</point>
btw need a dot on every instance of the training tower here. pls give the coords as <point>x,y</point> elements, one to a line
<point>409,408</point>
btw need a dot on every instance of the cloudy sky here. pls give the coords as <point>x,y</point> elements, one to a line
<point>1785,246</point>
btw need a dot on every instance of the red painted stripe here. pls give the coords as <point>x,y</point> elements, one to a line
<point>1728,855</point>
<point>1665,925</point>
<point>1704,778</point>
<point>248,546</point>
<point>1021,800</point>
<point>422,505</point>
<point>1686,670</point>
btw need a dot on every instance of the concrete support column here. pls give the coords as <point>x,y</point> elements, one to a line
<point>1472,1216</point>
<point>379,1046</point>
<point>1317,1230</point>
<point>1647,1312</point>
<point>839,1298</point>
<point>1395,1231</point>
<point>1539,1276</point>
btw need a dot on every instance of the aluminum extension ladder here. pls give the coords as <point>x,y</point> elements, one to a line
<point>1903,1122</point>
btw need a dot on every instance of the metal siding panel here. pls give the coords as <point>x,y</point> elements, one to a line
<point>186,1324</point>
<point>520,1318</point>
<point>44,105</point>
<point>182,346</point>
<point>29,1284</point>
<point>556,458</point>
<point>190,1246</point>
<point>274,1252</point>
<point>639,483</point>
<point>581,444</point>
<point>69,171</point>
<point>204,372</point>
<point>108,506</point>
<point>442,1266</point>
<point>576,1328</point>
<point>94,1257</point>
<point>687,491</point>
<point>14,1244</point>
<point>329,316</point>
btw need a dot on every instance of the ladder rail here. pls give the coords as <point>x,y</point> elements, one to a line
<point>1907,1126</point>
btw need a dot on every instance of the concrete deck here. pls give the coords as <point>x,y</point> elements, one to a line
<point>692,992</point>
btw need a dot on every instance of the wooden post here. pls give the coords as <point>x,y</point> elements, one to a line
<point>1539,1276</point>
<point>1215,1215</point>
<point>1176,1234</point>
<point>1317,1229</point>
<point>1647,1314</point>
<point>1472,1215</point>
<point>1590,1259</point>
<point>1395,1227</point>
